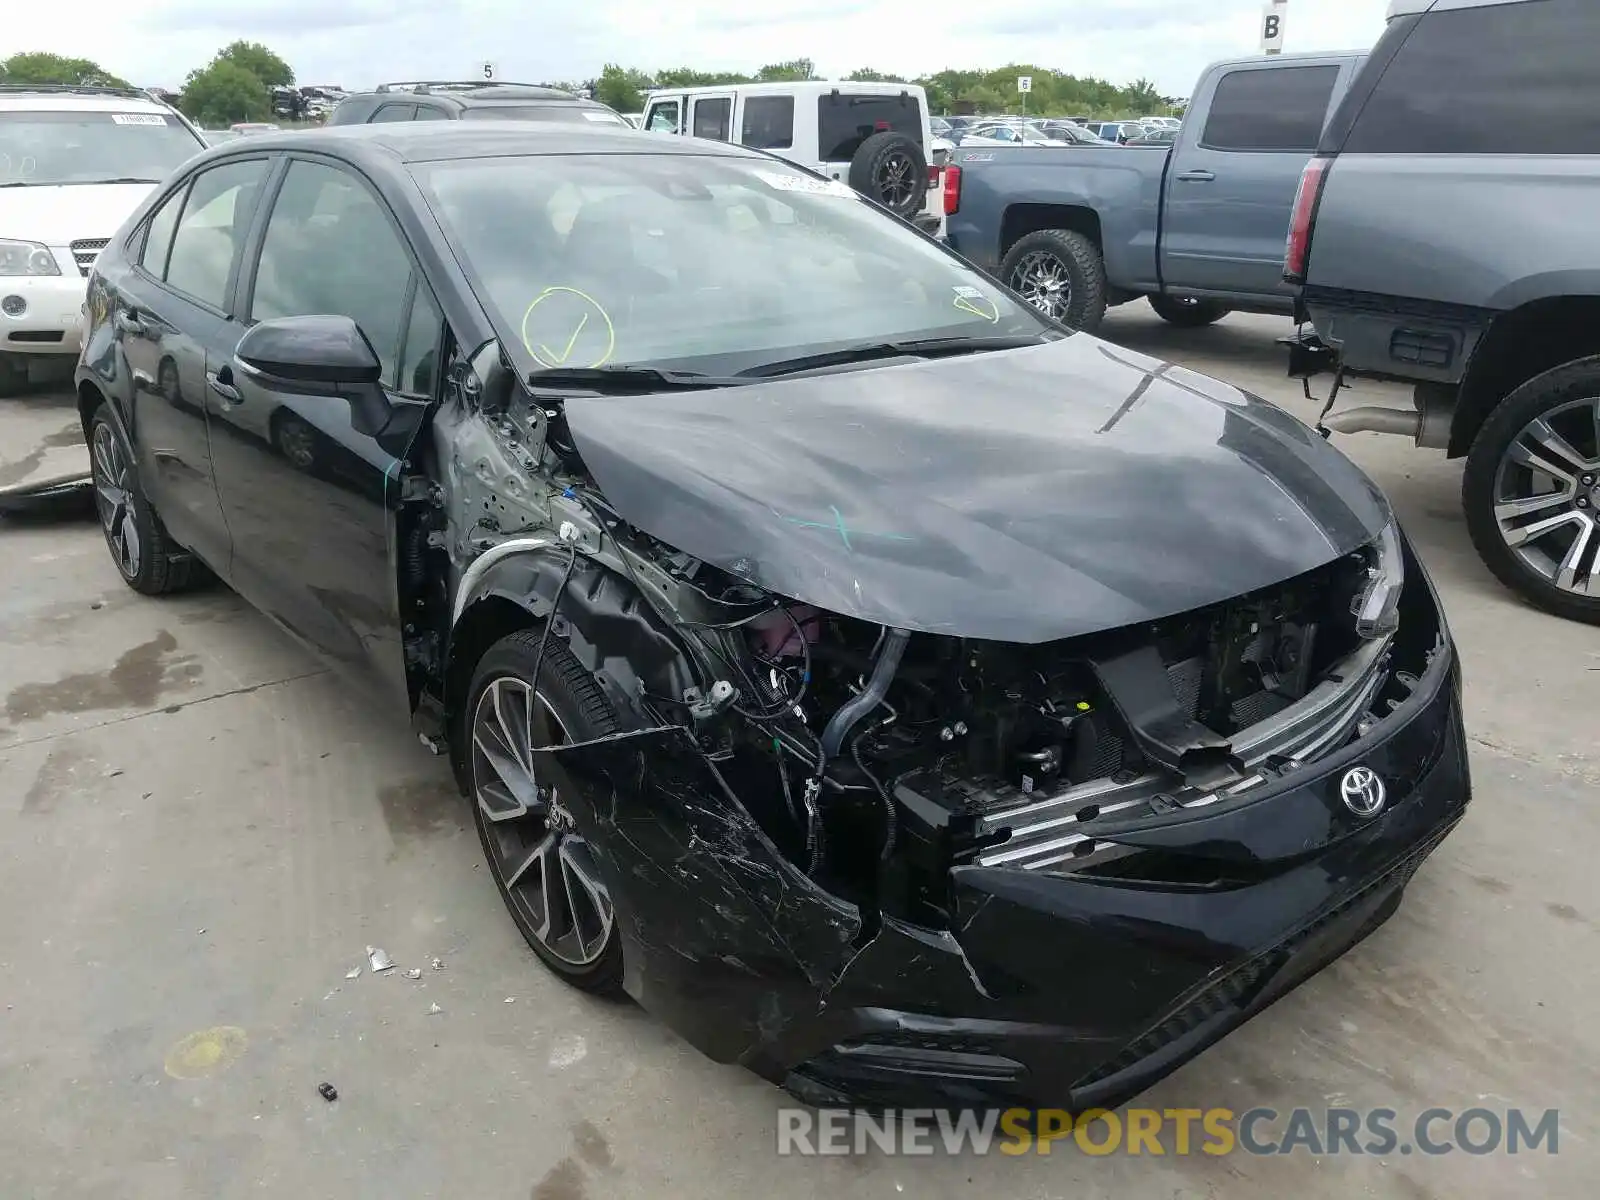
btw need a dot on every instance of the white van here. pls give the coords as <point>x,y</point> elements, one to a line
<point>873,136</point>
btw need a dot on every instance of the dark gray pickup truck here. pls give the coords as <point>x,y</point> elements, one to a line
<point>1199,228</point>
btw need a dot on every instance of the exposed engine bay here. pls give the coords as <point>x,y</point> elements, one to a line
<point>877,758</point>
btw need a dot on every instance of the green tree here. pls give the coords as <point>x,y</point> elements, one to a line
<point>786,72</point>
<point>259,61</point>
<point>868,75</point>
<point>40,68</point>
<point>621,88</point>
<point>223,93</point>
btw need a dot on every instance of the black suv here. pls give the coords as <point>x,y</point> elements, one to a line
<point>432,100</point>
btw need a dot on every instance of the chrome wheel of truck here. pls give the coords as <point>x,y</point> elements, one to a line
<point>1532,490</point>
<point>1060,273</point>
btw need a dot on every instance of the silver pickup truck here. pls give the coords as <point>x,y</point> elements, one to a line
<point>1199,228</point>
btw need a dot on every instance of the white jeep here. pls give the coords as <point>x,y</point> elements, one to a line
<point>74,163</point>
<point>873,136</point>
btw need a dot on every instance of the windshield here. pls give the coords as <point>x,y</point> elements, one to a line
<point>40,148</point>
<point>693,263</point>
<point>571,113</point>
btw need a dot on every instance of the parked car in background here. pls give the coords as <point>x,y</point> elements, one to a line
<point>1444,240</point>
<point>1199,229</point>
<point>74,162</point>
<point>1156,137</point>
<point>1072,133</point>
<point>877,137</point>
<point>689,563</point>
<point>246,128</point>
<point>1120,132</point>
<point>434,100</point>
<point>1007,133</point>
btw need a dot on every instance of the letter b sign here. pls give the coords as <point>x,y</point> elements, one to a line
<point>1272,29</point>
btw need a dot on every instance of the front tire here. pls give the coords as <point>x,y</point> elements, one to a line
<point>146,557</point>
<point>1531,491</point>
<point>1060,273</point>
<point>1188,313</point>
<point>544,868</point>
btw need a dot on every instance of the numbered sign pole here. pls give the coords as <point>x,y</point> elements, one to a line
<point>488,72</point>
<point>1024,86</point>
<point>1272,27</point>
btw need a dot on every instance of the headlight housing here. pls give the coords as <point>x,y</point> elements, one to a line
<point>1377,602</point>
<point>26,258</point>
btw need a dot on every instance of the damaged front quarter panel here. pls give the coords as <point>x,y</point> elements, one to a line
<point>724,938</point>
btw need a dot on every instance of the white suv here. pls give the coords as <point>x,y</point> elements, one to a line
<point>873,136</point>
<point>74,163</point>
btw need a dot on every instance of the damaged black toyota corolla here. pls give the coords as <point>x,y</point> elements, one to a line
<point>894,693</point>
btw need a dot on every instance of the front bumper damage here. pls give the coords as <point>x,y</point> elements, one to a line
<point>1049,985</point>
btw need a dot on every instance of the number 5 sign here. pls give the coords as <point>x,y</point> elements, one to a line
<point>1272,28</point>
<point>488,71</point>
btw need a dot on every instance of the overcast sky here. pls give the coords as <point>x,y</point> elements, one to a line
<point>356,43</point>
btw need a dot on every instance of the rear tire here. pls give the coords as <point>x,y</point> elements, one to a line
<point>1186,313</point>
<point>892,170</point>
<point>1062,274</point>
<point>145,555</point>
<point>1554,419</point>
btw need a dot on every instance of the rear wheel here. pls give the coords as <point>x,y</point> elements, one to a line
<point>1531,491</point>
<point>146,557</point>
<point>892,169</point>
<point>1187,312</point>
<point>1061,274</point>
<point>541,862</point>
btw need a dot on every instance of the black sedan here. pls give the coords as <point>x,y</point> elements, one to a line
<point>893,692</point>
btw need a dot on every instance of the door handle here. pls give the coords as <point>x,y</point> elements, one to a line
<point>1196,177</point>
<point>128,322</point>
<point>221,382</point>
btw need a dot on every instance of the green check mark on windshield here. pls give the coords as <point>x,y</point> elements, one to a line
<point>558,359</point>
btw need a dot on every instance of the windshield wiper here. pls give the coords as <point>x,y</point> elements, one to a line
<point>622,378</point>
<point>910,348</point>
<point>120,179</point>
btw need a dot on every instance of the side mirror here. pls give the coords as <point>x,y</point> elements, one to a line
<point>321,349</point>
<point>319,355</point>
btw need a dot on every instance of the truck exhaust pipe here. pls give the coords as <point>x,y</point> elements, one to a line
<point>1372,419</point>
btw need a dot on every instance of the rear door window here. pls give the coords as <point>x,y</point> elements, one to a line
<point>768,122</point>
<point>1466,79</point>
<point>395,112</point>
<point>844,122</point>
<point>216,215</point>
<point>713,118</point>
<point>1269,109</point>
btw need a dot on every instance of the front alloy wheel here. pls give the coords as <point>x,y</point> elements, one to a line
<point>541,861</point>
<point>1532,491</point>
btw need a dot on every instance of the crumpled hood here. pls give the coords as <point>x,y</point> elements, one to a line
<point>1022,495</point>
<point>58,215</point>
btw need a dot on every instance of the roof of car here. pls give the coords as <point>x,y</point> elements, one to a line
<point>801,87</point>
<point>91,99</point>
<point>476,93</point>
<point>433,141</point>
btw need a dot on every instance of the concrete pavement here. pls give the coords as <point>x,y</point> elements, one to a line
<point>201,831</point>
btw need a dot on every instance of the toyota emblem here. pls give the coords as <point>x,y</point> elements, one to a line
<point>1363,792</point>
